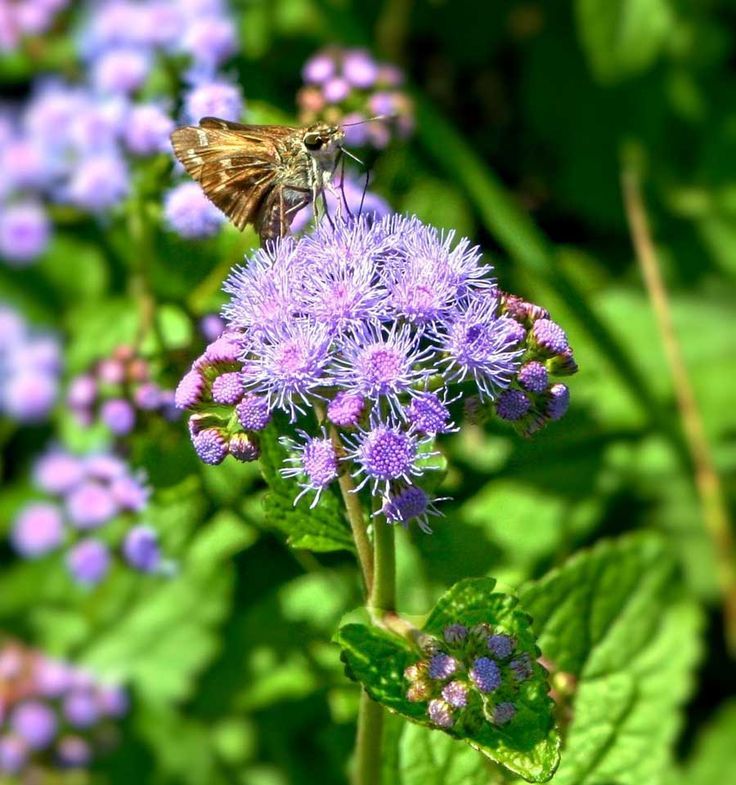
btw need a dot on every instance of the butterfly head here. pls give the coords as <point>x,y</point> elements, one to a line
<point>323,141</point>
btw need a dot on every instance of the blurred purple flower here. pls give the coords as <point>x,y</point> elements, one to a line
<point>148,129</point>
<point>88,561</point>
<point>141,549</point>
<point>213,99</point>
<point>24,232</point>
<point>99,183</point>
<point>90,505</point>
<point>189,213</point>
<point>38,529</point>
<point>35,723</point>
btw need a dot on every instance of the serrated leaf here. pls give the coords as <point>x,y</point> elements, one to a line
<point>528,745</point>
<point>319,528</point>
<point>623,38</point>
<point>606,618</point>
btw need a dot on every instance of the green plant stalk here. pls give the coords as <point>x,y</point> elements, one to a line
<point>382,601</point>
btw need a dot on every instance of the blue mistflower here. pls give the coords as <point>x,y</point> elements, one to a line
<point>345,409</point>
<point>408,504</point>
<point>288,364</point>
<point>378,363</point>
<point>512,405</point>
<point>559,401</point>
<point>533,376</point>
<point>501,646</point>
<point>371,327</point>
<point>210,445</point>
<point>384,454</point>
<point>549,336</point>
<point>482,345</point>
<point>456,694</point>
<point>503,712</point>
<point>485,674</point>
<point>440,713</point>
<point>442,666</point>
<point>253,412</point>
<point>429,414</point>
<point>316,464</point>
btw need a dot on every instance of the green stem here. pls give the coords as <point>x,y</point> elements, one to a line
<point>382,601</point>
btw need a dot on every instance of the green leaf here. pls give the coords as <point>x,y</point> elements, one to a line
<point>607,619</point>
<point>427,758</point>
<point>319,528</point>
<point>713,760</point>
<point>624,37</point>
<point>528,745</point>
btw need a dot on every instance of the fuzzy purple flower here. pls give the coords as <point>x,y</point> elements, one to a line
<point>549,336</point>
<point>13,750</point>
<point>80,709</point>
<point>73,751</point>
<point>346,409</point>
<point>315,463</point>
<point>456,694</point>
<point>38,529</point>
<point>24,232</point>
<point>512,405</point>
<point>35,723</point>
<point>503,713</point>
<point>141,549</point>
<point>189,390</point>
<point>408,504</point>
<point>440,713</point>
<point>485,674</point>
<point>428,414</point>
<point>559,401</point>
<point>90,505</point>
<point>148,130</point>
<point>88,562</point>
<point>210,445</point>
<point>385,454</point>
<point>213,99</point>
<point>190,214</point>
<point>442,666</point>
<point>119,416</point>
<point>253,412</point>
<point>99,183</point>
<point>121,70</point>
<point>227,388</point>
<point>533,376</point>
<point>501,646</point>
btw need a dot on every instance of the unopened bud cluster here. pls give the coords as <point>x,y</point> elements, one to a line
<point>534,398</point>
<point>226,420</point>
<point>92,511</point>
<point>52,714</point>
<point>347,87</point>
<point>119,391</point>
<point>470,676</point>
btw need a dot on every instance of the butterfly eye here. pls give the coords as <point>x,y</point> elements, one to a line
<point>313,141</point>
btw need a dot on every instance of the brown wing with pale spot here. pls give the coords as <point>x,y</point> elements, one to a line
<point>235,164</point>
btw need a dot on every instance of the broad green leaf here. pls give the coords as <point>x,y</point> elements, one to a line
<point>319,528</point>
<point>624,37</point>
<point>607,619</point>
<point>528,745</point>
<point>712,761</point>
<point>428,758</point>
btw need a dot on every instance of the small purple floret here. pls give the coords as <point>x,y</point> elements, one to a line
<point>501,646</point>
<point>533,376</point>
<point>512,405</point>
<point>227,388</point>
<point>440,713</point>
<point>485,674</point>
<point>550,336</point>
<point>456,694</point>
<point>503,712</point>
<point>141,549</point>
<point>442,666</point>
<point>210,446</point>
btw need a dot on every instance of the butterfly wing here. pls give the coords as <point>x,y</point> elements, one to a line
<point>236,165</point>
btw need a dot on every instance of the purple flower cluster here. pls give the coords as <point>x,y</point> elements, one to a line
<point>78,144</point>
<point>471,676</point>
<point>376,327</point>
<point>30,363</point>
<point>23,19</point>
<point>349,86</point>
<point>84,496</point>
<point>51,712</point>
<point>119,392</point>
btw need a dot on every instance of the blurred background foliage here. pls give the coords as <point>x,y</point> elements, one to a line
<point>524,110</point>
